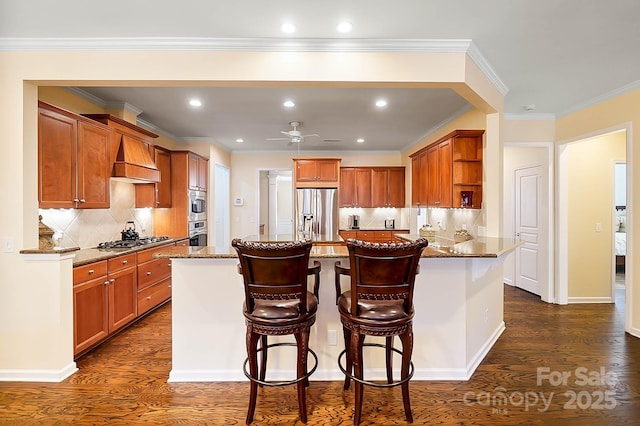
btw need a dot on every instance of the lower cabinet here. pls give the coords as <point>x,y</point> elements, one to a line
<point>154,280</point>
<point>104,300</point>
<point>110,294</point>
<point>374,236</point>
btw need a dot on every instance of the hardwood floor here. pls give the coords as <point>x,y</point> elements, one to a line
<point>124,381</point>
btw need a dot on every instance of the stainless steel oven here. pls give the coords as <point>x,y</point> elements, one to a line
<point>197,205</point>
<point>198,233</point>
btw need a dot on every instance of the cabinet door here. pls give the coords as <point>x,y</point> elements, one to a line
<point>445,173</point>
<point>193,172</point>
<point>94,167</point>
<point>327,170</point>
<point>306,171</point>
<point>395,187</point>
<point>203,166</point>
<point>90,313</point>
<point>363,187</point>
<point>163,188</point>
<point>419,180</point>
<point>347,191</point>
<point>57,160</point>
<point>433,180</point>
<point>379,188</point>
<point>123,299</point>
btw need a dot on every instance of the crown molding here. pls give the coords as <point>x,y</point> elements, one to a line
<point>529,117</point>
<point>474,53</point>
<point>87,96</point>
<point>599,99</point>
<point>125,106</point>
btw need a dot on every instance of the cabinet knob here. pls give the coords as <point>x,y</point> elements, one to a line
<point>124,262</point>
<point>75,200</point>
<point>82,200</point>
<point>148,273</point>
<point>91,271</point>
<point>106,282</point>
<point>112,280</point>
<point>169,286</point>
<point>148,297</point>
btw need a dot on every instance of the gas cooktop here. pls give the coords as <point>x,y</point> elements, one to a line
<point>131,243</point>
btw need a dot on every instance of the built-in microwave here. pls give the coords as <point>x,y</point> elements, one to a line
<point>197,205</point>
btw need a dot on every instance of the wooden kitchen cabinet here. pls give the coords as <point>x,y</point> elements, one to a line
<point>355,187</point>
<point>74,160</point>
<point>154,280</point>
<point>387,187</point>
<point>123,287</point>
<point>317,172</point>
<point>90,306</point>
<point>198,172</point>
<point>441,171</point>
<point>157,194</point>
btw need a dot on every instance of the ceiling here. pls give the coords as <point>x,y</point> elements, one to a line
<point>550,58</point>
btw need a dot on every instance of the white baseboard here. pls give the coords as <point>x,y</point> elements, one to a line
<point>635,332</point>
<point>590,300</point>
<point>484,350</point>
<point>38,375</point>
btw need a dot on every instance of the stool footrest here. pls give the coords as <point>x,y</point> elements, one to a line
<point>281,383</point>
<point>368,382</point>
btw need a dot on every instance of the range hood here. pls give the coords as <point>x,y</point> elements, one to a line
<point>133,161</point>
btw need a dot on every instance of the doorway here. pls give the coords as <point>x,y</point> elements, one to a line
<point>275,202</point>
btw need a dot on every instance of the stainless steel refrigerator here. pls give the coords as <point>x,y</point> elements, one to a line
<point>317,212</point>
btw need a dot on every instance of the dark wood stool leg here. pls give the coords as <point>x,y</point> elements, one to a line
<point>302,339</point>
<point>357,341</point>
<point>315,271</point>
<point>263,357</point>
<point>348,359</point>
<point>252,353</point>
<point>407,349</point>
<point>389,357</point>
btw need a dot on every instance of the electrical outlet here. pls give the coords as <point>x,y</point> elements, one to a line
<point>332,337</point>
<point>598,227</point>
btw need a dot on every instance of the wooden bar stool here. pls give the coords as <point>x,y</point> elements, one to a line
<point>277,303</point>
<point>379,303</point>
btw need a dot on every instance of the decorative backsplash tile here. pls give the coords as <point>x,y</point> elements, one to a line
<point>86,228</point>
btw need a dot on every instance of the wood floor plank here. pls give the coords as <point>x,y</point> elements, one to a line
<point>124,381</point>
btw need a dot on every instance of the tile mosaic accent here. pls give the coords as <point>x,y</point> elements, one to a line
<point>85,228</point>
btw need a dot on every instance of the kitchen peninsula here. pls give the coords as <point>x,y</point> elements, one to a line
<point>458,303</point>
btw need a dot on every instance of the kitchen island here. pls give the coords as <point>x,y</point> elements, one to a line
<point>458,302</point>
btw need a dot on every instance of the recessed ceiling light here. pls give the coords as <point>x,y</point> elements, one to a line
<point>380,103</point>
<point>195,102</point>
<point>529,107</point>
<point>239,140</point>
<point>288,28</point>
<point>360,140</point>
<point>344,27</point>
<point>289,104</point>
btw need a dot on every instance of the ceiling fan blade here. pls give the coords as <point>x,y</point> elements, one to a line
<point>311,135</point>
<point>332,140</point>
<point>277,139</point>
<point>285,133</point>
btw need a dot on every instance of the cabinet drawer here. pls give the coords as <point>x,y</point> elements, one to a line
<point>153,271</point>
<point>382,235</point>
<point>147,255</point>
<point>154,295</point>
<point>90,271</point>
<point>365,235</point>
<point>121,262</point>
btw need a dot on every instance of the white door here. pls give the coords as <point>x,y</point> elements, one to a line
<point>528,227</point>
<point>221,218</point>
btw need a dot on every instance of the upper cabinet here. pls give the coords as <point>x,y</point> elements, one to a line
<point>448,172</point>
<point>372,186</point>
<point>198,172</point>
<point>74,160</point>
<point>387,187</point>
<point>355,187</point>
<point>157,194</point>
<point>317,172</point>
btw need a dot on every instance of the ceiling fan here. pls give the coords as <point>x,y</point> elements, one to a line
<point>296,136</point>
